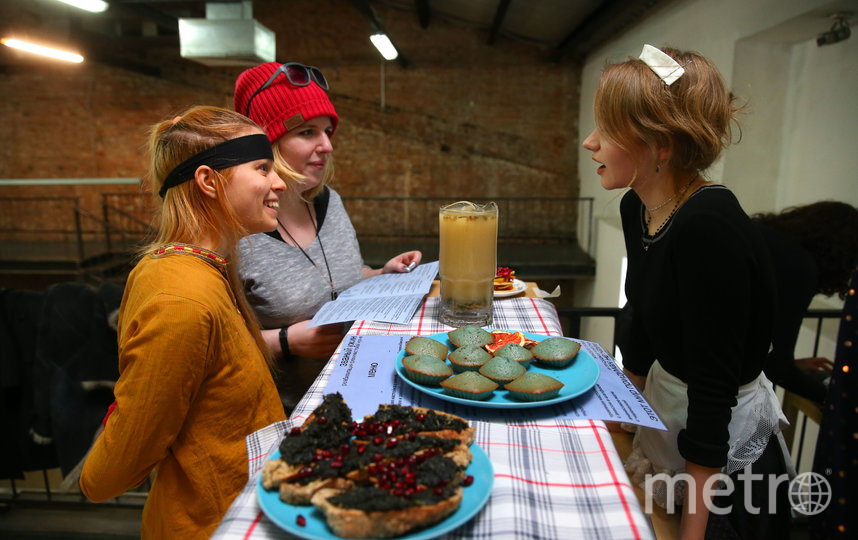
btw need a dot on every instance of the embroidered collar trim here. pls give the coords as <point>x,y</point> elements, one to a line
<point>175,248</point>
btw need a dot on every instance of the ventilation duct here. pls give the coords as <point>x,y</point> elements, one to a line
<point>228,36</point>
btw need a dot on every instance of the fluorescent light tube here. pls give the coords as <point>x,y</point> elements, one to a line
<point>384,46</point>
<point>95,6</point>
<point>44,51</point>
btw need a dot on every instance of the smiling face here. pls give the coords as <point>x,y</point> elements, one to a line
<point>307,148</point>
<point>252,193</point>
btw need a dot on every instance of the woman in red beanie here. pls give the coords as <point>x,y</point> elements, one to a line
<point>313,254</point>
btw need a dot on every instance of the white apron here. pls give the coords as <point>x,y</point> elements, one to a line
<point>755,417</point>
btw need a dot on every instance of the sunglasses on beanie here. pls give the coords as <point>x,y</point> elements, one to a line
<point>297,74</point>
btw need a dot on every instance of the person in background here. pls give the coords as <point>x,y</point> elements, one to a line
<point>812,247</point>
<point>313,254</point>
<point>700,291</point>
<point>837,443</point>
<point>194,373</point>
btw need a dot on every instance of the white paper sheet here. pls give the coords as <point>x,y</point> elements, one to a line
<point>389,298</point>
<point>364,374</point>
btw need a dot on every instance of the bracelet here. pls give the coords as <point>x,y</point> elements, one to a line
<point>284,342</point>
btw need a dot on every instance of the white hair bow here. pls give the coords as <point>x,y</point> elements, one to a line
<point>667,69</point>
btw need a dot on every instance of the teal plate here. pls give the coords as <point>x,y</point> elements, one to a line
<point>474,497</point>
<point>577,378</point>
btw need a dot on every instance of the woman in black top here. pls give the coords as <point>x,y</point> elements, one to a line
<point>700,290</point>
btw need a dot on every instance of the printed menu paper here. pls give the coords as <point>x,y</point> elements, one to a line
<point>365,376</point>
<point>389,298</point>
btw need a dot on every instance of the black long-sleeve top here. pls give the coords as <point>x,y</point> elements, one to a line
<point>797,282</point>
<point>702,303</point>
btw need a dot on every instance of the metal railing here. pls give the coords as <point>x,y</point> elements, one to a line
<point>571,319</point>
<point>525,218</point>
<point>58,232</point>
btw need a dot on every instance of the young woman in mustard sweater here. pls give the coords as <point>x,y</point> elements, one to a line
<point>195,375</point>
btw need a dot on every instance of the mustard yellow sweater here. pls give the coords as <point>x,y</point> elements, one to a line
<point>192,385</point>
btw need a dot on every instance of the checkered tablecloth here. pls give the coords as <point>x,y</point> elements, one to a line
<point>553,480</point>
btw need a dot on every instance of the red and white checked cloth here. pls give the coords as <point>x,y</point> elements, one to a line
<point>559,480</point>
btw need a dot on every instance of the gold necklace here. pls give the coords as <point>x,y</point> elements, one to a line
<point>648,213</point>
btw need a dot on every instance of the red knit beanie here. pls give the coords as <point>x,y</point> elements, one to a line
<point>281,106</point>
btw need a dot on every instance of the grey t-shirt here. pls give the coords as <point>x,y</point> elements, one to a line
<point>283,286</point>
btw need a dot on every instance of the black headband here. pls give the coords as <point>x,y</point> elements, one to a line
<point>220,156</point>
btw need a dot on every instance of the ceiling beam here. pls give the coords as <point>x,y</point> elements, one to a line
<point>500,15</point>
<point>423,12</point>
<point>608,21</point>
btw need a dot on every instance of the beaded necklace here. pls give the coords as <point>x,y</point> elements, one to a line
<point>201,253</point>
<point>330,279</point>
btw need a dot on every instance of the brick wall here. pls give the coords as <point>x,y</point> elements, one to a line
<point>465,119</point>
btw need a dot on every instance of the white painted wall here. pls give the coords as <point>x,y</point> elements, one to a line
<point>799,136</point>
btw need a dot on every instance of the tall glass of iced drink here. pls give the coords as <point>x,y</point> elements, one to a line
<point>467,262</point>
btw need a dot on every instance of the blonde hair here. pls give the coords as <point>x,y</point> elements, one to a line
<point>293,178</point>
<point>184,215</point>
<point>692,116</point>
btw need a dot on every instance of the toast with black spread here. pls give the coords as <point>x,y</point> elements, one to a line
<point>398,470</point>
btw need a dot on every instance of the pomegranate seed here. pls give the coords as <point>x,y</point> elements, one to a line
<point>378,440</point>
<point>377,457</point>
<point>421,417</point>
<point>295,431</point>
<point>468,481</point>
<point>322,420</point>
<point>361,449</point>
<point>438,491</point>
<point>392,442</point>
<point>301,520</point>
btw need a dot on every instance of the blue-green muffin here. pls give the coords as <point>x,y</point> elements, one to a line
<point>468,358</point>
<point>424,345</point>
<point>470,335</point>
<point>534,387</point>
<point>469,385</point>
<point>502,370</point>
<point>555,352</point>
<point>425,369</point>
<point>516,352</point>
